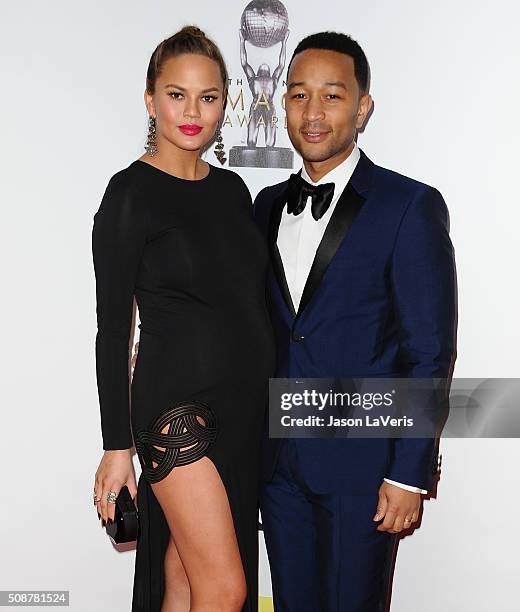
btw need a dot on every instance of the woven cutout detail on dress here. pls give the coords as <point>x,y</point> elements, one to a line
<point>186,440</point>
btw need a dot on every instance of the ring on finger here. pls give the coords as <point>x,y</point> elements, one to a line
<point>111,497</point>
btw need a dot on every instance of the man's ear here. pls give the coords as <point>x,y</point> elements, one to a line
<point>148,100</point>
<point>283,100</point>
<point>364,108</point>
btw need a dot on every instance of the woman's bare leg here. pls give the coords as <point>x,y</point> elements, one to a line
<point>177,591</point>
<point>195,504</point>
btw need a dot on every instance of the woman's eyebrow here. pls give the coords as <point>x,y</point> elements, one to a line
<point>183,89</point>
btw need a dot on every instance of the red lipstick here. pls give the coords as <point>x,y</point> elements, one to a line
<point>190,129</point>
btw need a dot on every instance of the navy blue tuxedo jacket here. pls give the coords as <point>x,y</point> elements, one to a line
<point>380,301</point>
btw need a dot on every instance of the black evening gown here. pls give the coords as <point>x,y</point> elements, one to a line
<point>191,254</point>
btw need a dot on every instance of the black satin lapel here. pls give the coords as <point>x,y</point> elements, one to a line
<point>347,208</point>
<point>276,259</point>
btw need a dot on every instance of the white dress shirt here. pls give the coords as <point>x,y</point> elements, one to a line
<point>300,235</point>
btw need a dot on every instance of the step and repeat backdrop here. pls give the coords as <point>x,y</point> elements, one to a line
<point>446,93</point>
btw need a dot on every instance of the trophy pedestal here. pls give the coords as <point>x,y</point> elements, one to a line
<point>261,157</point>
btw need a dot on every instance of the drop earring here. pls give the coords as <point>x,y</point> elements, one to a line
<point>219,148</point>
<point>151,142</point>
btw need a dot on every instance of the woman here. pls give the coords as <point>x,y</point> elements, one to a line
<point>178,234</point>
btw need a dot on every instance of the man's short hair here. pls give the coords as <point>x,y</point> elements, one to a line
<point>342,43</point>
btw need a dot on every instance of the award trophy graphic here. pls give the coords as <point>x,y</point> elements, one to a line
<point>264,24</point>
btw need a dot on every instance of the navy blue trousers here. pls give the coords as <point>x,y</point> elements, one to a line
<point>324,551</point>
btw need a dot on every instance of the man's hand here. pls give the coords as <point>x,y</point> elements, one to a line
<point>134,356</point>
<point>399,508</point>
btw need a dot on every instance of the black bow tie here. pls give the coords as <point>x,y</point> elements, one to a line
<point>299,190</point>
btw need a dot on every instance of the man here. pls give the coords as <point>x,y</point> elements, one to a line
<point>362,284</point>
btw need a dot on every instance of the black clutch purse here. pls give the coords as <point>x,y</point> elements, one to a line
<point>125,527</point>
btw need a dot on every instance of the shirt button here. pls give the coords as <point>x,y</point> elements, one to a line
<point>296,337</point>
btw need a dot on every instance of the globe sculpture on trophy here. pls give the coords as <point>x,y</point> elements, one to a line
<point>264,24</point>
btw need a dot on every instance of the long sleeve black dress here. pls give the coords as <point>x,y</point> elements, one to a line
<point>191,254</point>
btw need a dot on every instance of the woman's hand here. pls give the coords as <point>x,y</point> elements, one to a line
<point>115,470</point>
